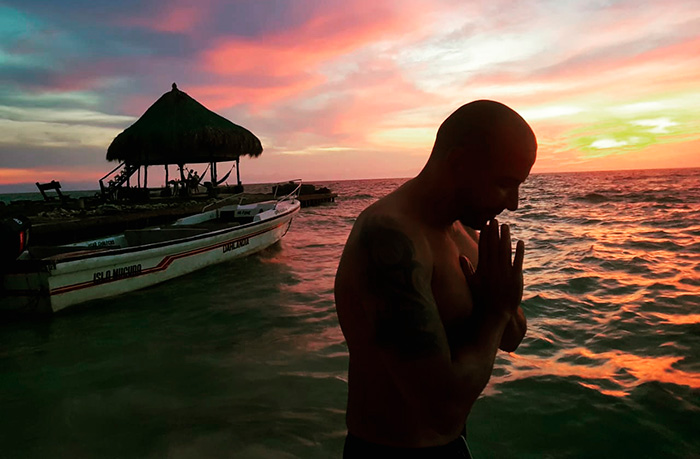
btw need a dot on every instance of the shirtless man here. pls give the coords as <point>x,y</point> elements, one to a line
<point>422,324</point>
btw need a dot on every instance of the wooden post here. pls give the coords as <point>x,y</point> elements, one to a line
<point>145,177</point>
<point>213,173</point>
<point>238,169</point>
<point>138,177</point>
<point>166,176</point>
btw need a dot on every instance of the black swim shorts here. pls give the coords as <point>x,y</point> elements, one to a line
<point>357,448</point>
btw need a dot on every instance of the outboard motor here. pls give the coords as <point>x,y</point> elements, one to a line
<point>14,236</point>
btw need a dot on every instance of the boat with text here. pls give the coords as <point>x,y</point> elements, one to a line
<point>52,278</point>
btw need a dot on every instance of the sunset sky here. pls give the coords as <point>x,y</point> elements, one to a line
<point>353,88</point>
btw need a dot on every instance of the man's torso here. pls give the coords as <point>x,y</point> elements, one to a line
<point>377,411</point>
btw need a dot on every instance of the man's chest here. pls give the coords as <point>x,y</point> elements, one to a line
<point>449,284</point>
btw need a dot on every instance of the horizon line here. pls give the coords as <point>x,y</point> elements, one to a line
<point>33,184</point>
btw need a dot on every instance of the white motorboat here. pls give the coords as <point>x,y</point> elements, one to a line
<point>52,278</point>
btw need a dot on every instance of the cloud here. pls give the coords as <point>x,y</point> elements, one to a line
<point>55,134</point>
<point>608,143</point>
<point>61,117</point>
<point>172,18</point>
<point>22,163</point>
<point>550,111</point>
<point>222,96</point>
<point>302,56</point>
<point>658,125</point>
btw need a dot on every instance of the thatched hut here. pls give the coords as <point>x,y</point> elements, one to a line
<point>177,129</point>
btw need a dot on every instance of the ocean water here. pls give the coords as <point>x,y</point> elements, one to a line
<point>246,359</point>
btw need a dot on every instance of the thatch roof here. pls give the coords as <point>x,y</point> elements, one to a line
<point>177,129</point>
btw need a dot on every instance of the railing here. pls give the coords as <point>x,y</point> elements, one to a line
<point>294,193</point>
<point>109,191</point>
<point>220,202</point>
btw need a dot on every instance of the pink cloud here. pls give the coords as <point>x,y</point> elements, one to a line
<point>297,54</point>
<point>171,18</point>
<point>345,114</point>
<point>683,55</point>
<point>179,19</point>
<point>660,70</point>
<point>88,75</point>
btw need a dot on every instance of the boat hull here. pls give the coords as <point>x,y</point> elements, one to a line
<point>61,283</point>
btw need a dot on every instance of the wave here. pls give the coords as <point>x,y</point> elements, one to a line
<point>653,245</point>
<point>593,198</point>
<point>361,196</point>
<point>660,199</point>
<point>693,248</point>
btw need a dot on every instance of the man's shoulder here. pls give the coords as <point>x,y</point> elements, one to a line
<point>383,222</point>
<point>390,210</point>
<point>383,238</point>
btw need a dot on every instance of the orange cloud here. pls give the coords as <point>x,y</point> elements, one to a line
<point>597,76</point>
<point>366,102</point>
<point>76,174</point>
<point>662,69</point>
<point>221,96</point>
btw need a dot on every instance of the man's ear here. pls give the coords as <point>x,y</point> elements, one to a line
<point>456,163</point>
<point>455,153</point>
<point>455,157</point>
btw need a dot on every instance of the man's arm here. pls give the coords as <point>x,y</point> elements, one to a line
<point>409,333</point>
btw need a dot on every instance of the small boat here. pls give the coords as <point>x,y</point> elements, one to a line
<point>52,278</point>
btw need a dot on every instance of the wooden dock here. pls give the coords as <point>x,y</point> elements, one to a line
<point>65,222</point>
<point>316,199</point>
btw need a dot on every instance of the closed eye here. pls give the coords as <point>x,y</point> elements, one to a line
<point>509,183</point>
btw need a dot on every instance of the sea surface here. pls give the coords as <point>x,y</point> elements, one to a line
<point>246,359</point>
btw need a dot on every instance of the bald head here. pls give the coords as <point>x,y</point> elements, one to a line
<point>483,152</point>
<point>481,129</point>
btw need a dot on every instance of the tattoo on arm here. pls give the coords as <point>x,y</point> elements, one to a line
<point>403,320</point>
